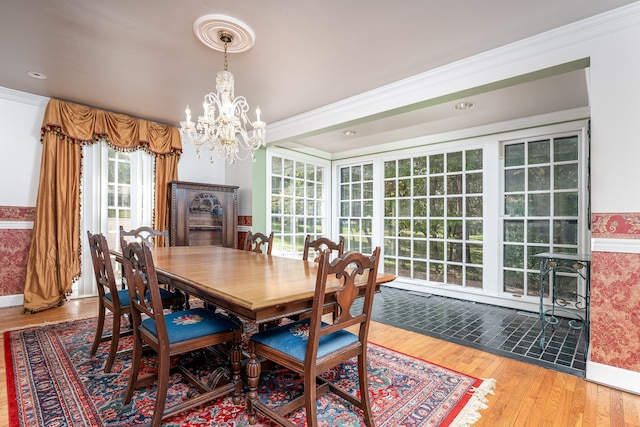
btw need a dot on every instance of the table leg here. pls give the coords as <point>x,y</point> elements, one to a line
<point>253,378</point>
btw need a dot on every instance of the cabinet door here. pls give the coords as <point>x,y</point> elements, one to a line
<point>203,214</point>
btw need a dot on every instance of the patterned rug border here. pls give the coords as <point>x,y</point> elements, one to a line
<point>467,411</point>
<point>473,402</point>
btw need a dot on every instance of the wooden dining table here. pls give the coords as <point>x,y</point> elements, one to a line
<point>257,287</point>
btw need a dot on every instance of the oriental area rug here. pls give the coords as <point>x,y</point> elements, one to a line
<point>52,380</point>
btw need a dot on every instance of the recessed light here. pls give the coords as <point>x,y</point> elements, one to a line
<point>349,132</point>
<point>464,105</point>
<point>36,75</point>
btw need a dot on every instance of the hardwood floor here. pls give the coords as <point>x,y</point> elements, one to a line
<point>525,395</point>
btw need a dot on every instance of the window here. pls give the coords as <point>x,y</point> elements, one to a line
<point>433,217</point>
<point>355,204</point>
<point>117,190</point>
<point>542,206</point>
<point>298,203</point>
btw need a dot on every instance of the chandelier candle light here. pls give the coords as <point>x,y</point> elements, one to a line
<point>224,125</point>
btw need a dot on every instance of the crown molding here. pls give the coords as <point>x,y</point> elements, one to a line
<point>23,97</point>
<point>498,64</point>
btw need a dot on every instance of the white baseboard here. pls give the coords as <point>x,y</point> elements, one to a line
<point>11,300</point>
<point>610,376</point>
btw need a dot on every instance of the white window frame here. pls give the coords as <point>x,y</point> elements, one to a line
<point>584,241</point>
<point>490,143</point>
<point>327,191</point>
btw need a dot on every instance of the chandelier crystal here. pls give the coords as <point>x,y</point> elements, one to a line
<point>225,127</point>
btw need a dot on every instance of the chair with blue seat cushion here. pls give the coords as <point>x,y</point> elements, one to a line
<point>111,297</point>
<point>174,299</point>
<point>175,333</point>
<point>309,347</point>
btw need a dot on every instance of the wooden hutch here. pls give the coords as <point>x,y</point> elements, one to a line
<point>202,214</point>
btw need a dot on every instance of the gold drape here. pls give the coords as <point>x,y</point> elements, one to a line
<point>54,254</point>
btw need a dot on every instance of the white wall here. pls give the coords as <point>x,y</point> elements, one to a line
<point>241,174</point>
<point>615,108</point>
<point>199,170</point>
<point>20,148</point>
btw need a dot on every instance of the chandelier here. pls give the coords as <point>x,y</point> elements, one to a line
<point>225,127</point>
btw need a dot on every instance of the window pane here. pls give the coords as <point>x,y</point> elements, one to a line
<point>514,155</point>
<point>539,205</point>
<point>367,172</point>
<point>356,174</point>
<point>565,232</point>
<point>454,162</point>
<point>474,183</point>
<point>436,185</point>
<point>390,169</point>
<point>404,167</point>
<point>514,231</point>
<point>566,149</point>
<point>436,206</point>
<point>565,176</point>
<point>539,178</point>
<point>454,184</point>
<point>514,205</point>
<point>436,229</point>
<point>538,231</point>
<point>420,207</point>
<point>419,166</point>
<point>513,256</point>
<point>420,186</point>
<point>436,164</point>
<point>474,207</point>
<point>565,204</point>
<point>474,159</point>
<point>514,180</point>
<point>539,151</point>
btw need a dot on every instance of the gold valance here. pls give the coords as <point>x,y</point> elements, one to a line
<point>54,255</point>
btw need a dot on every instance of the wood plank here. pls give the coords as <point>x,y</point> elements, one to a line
<point>525,395</point>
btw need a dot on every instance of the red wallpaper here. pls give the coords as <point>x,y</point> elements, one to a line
<point>615,294</point>
<point>618,226</point>
<point>14,249</point>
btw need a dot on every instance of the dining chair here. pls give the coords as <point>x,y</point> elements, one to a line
<point>321,244</point>
<point>145,234</point>
<point>113,298</point>
<point>109,297</point>
<point>310,346</point>
<point>255,243</point>
<point>148,235</point>
<point>172,334</point>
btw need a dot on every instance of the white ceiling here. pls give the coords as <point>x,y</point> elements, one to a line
<point>142,58</point>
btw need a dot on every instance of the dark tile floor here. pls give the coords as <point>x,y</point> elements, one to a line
<point>497,330</point>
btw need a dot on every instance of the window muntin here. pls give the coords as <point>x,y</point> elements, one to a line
<point>355,207</point>
<point>298,204</point>
<point>433,217</point>
<point>542,209</point>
